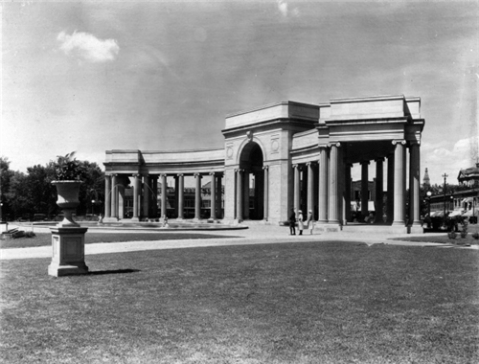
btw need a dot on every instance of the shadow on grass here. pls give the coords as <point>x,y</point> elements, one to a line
<point>112,271</point>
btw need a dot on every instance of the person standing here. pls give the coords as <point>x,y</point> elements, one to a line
<point>310,222</point>
<point>292,222</point>
<point>300,223</point>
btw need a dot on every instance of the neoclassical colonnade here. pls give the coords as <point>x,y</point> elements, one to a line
<point>326,189</point>
<point>286,156</point>
<point>242,192</point>
<point>145,195</point>
<point>147,174</point>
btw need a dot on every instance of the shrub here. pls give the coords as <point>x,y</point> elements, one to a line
<point>67,168</point>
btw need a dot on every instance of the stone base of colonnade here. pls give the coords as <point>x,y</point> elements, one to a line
<point>253,222</point>
<point>110,219</point>
<point>382,229</point>
<point>327,227</point>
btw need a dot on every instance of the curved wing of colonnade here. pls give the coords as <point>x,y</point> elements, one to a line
<point>143,169</point>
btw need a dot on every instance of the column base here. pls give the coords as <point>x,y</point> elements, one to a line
<point>328,227</point>
<point>415,229</point>
<point>110,219</point>
<point>399,223</point>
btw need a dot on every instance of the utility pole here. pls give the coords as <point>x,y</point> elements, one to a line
<point>444,192</point>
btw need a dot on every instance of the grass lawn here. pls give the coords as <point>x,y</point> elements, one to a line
<point>42,239</point>
<point>284,303</point>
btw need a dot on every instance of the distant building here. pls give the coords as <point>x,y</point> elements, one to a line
<point>464,202</point>
<point>426,182</point>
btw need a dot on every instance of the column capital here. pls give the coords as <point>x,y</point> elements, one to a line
<point>180,175</point>
<point>337,144</point>
<point>163,175</point>
<point>196,175</point>
<point>380,159</point>
<point>399,141</point>
<point>414,142</point>
<point>310,163</point>
<point>212,173</point>
<point>265,168</point>
<point>364,163</point>
<point>136,175</point>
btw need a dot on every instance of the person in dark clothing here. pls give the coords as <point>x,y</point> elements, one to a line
<point>292,223</point>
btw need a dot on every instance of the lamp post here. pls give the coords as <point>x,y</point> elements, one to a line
<point>428,199</point>
<point>92,207</point>
<point>444,192</point>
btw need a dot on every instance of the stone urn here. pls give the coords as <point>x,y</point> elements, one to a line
<point>67,192</point>
<point>68,237</point>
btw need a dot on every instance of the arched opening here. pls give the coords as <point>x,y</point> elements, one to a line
<point>251,162</point>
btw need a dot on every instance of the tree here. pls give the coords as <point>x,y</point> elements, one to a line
<point>5,176</point>
<point>23,195</point>
<point>41,191</point>
<point>18,196</point>
<point>92,188</point>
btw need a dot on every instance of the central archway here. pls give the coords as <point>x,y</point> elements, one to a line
<point>251,162</point>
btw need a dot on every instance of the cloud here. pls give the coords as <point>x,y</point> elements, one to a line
<point>283,8</point>
<point>87,47</point>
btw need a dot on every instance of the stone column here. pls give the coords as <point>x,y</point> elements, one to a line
<point>378,204</point>
<point>176,198</point>
<point>136,194</point>
<point>333,185</point>
<point>239,195</point>
<point>266,185</point>
<point>107,196</point>
<point>198,196</point>
<point>310,204</point>
<point>347,191</point>
<point>114,196</point>
<point>121,202</point>
<point>323,186</point>
<point>399,182</point>
<point>296,188</point>
<point>213,196</point>
<point>146,196</point>
<point>245,194</point>
<point>219,197</point>
<point>390,191</point>
<point>163,195</point>
<point>414,185</point>
<point>181,193</point>
<point>154,197</point>
<point>364,188</point>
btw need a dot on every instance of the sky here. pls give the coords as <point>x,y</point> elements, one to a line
<point>95,76</point>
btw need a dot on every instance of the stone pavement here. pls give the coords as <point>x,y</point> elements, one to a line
<point>256,234</point>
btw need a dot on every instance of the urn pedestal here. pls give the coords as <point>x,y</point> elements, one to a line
<point>68,237</point>
<point>68,257</point>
